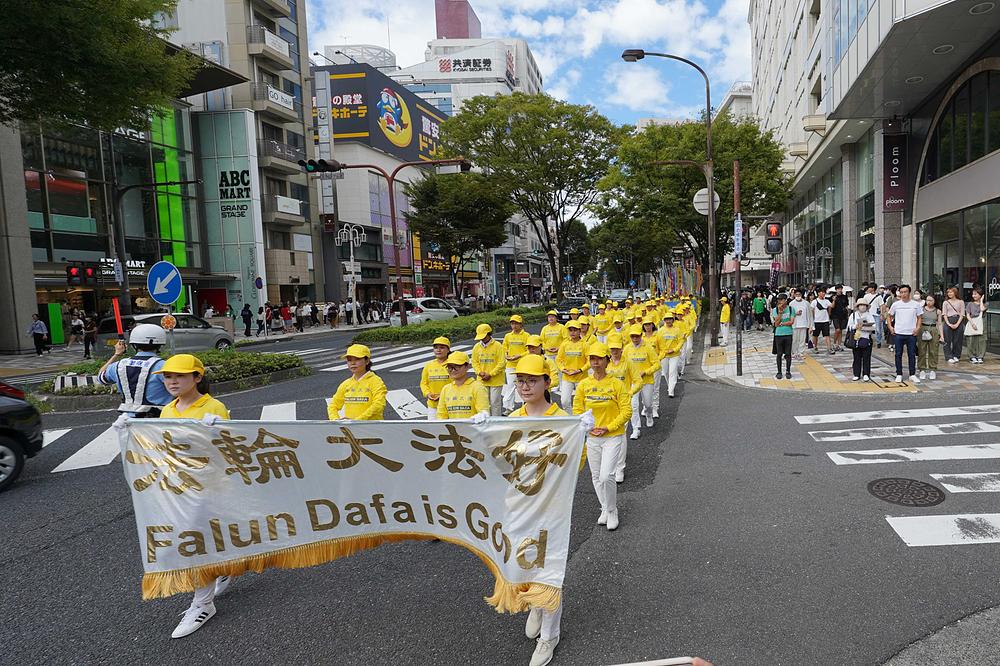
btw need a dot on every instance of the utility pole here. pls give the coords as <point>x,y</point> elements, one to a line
<point>739,275</point>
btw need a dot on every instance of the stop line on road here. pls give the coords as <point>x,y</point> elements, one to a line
<point>926,530</point>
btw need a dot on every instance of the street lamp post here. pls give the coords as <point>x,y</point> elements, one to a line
<point>390,178</point>
<point>354,235</point>
<point>633,55</point>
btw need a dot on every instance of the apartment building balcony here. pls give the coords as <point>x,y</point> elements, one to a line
<point>279,157</point>
<point>283,210</point>
<point>275,103</point>
<point>275,8</point>
<point>263,43</point>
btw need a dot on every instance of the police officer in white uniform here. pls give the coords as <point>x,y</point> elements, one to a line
<point>143,393</point>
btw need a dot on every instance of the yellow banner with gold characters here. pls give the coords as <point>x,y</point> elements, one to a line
<point>244,496</point>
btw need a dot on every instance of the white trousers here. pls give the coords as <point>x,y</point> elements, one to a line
<point>550,622</point>
<point>432,412</point>
<point>799,337</point>
<point>567,390</point>
<point>204,595</point>
<point>555,386</point>
<point>723,333</point>
<point>669,368</point>
<point>509,391</point>
<point>602,456</point>
<point>622,456</point>
<point>496,395</point>
<point>656,394</point>
<point>644,397</point>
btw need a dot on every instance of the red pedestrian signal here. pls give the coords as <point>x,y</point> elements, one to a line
<point>74,275</point>
<point>772,240</point>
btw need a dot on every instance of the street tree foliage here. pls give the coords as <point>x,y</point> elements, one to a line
<point>101,63</point>
<point>548,154</point>
<point>579,250</point>
<point>648,208</point>
<point>461,215</point>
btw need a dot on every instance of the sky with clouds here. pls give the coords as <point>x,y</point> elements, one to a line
<point>577,45</point>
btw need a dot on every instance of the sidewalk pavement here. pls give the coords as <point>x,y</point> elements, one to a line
<point>826,373</point>
<point>248,341</point>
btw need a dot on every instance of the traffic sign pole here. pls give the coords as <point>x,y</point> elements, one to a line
<point>164,283</point>
<point>738,227</point>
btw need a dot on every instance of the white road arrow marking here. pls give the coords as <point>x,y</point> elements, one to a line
<point>161,283</point>
<point>100,451</point>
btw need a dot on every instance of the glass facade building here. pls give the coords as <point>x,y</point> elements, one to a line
<point>815,232</point>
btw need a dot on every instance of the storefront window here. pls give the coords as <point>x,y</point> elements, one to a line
<point>968,129</point>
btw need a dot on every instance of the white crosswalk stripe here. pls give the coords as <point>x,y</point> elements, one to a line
<point>969,528</point>
<point>50,436</point>
<point>964,428</point>
<point>406,405</point>
<point>98,452</point>
<point>282,411</point>
<point>969,483</point>
<point>427,356</point>
<point>916,454</point>
<point>814,419</point>
<point>379,360</point>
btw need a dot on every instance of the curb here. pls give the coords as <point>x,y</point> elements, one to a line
<point>75,403</point>
<point>253,342</point>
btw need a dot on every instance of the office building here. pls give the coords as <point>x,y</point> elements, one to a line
<point>890,113</point>
<point>265,41</point>
<point>456,19</point>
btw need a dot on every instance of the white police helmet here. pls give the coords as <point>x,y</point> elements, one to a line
<point>148,334</point>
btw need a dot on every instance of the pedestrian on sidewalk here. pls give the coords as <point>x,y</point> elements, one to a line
<point>953,311</point>
<point>314,314</point>
<point>89,337</point>
<point>746,311</point>
<point>349,311</point>
<point>75,330</point>
<point>875,300</point>
<point>246,314</point>
<point>39,333</point>
<point>759,305</point>
<point>861,328</point>
<point>800,329</point>
<point>888,298</point>
<point>839,313</point>
<point>261,320</point>
<point>931,337</point>
<point>724,317</point>
<point>904,324</point>
<point>301,312</point>
<point>975,331</point>
<point>783,318</point>
<point>821,318</point>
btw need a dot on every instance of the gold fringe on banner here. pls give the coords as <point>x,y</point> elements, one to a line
<point>507,597</point>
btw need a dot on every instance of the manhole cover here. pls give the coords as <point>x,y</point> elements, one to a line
<point>906,492</point>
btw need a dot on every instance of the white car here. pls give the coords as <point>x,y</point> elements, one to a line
<point>420,310</point>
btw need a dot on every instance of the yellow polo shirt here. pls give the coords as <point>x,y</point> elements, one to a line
<point>362,399</point>
<point>553,410</point>
<point>515,344</point>
<point>206,404</point>
<point>552,336</point>
<point>608,399</point>
<point>573,356</point>
<point>489,359</point>
<point>644,359</point>
<point>432,379</point>
<point>463,402</point>
<point>625,372</point>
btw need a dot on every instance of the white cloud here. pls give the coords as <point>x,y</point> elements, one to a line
<point>637,87</point>
<point>405,26</point>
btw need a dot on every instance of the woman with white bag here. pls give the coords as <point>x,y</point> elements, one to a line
<point>930,339</point>
<point>975,329</point>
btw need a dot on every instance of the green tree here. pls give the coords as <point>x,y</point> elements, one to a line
<point>101,63</point>
<point>462,215</point>
<point>578,255</point>
<point>653,203</point>
<point>548,154</point>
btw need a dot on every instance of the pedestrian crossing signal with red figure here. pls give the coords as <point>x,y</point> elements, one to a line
<point>772,240</point>
<point>74,275</point>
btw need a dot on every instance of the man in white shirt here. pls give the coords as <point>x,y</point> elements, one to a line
<point>209,312</point>
<point>904,325</point>
<point>875,300</point>
<point>800,330</point>
<point>821,321</point>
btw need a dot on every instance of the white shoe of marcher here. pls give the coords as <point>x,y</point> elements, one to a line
<point>543,652</point>
<point>915,379</point>
<point>635,434</point>
<point>933,375</point>
<point>194,619</point>
<point>619,477</point>
<point>867,378</point>
<point>649,421</point>
<point>612,520</point>
<point>601,520</point>
<point>899,379</point>
<point>533,627</point>
<point>923,374</point>
<point>222,584</point>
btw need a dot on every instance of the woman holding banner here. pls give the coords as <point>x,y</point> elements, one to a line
<point>435,375</point>
<point>362,395</point>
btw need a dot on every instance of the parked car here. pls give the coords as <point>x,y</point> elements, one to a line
<point>192,333</point>
<point>420,310</point>
<point>567,304</point>
<point>620,295</point>
<point>20,433</point>
<point>459,307</point>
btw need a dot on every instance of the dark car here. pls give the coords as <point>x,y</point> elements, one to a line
<point>460,307</point>
<point>20,433</point>
<point>568,304</point>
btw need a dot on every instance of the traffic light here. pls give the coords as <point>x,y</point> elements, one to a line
<point>74,275</point>
<point>320,166</point>
<point>89,273</point>
<point>746,239</point>
<point>772,240</point>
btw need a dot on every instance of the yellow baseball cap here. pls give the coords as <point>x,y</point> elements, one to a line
<point>574,311</point>
<point>532,364</point>
<point>573,323</point>
<point>483,330</point>
<point>442,341</point>
<point>518,318</point>
<point>584,319</point>
<point>614,341</point>
<point>617,318</point>
<point>614,303</point>
<point>648,320</point>
<point>357,351</point>
<point>586,305</point>
<point>602,307</point>
<point>635,329</point>
<point>723,299</point>
<point>182,364</point>
<point>669,314</point>
<point>598,349</point>
<point>457,358</point>
<point>552,312</point>
<point>534,341</point>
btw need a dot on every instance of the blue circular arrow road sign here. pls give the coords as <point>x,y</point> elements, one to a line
<point>163,282</point>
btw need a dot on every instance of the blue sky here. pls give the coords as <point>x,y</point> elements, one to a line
<point>577,44</point>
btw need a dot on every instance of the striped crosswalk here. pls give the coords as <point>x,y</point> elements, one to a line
<point>943,441</point>
<point>385,359</point>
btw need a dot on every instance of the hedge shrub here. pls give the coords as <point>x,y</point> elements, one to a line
<point>461,328</point>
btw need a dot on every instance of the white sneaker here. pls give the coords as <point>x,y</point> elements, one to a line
<point>533,627</point>
<point>953,360</point>
<point>855,379</point>
<point>923,374</point>
<point>543,652</point>
<point>612,520</point>
<point>867,378</point>
<point>222,584</point>
<point>670,394</point>
<point>899,379</point>
<point>915,379</point>
<point>619,477</point>
<point>656,415</point>
<point>194,619</point>
<point>649,421</point>
<point>635,434</point>
<point>933,375</point>
<point>601,520</point>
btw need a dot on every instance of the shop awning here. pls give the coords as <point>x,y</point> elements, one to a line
<point>209,77</point>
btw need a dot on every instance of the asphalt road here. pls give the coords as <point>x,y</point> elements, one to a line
<point>741,541</point>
